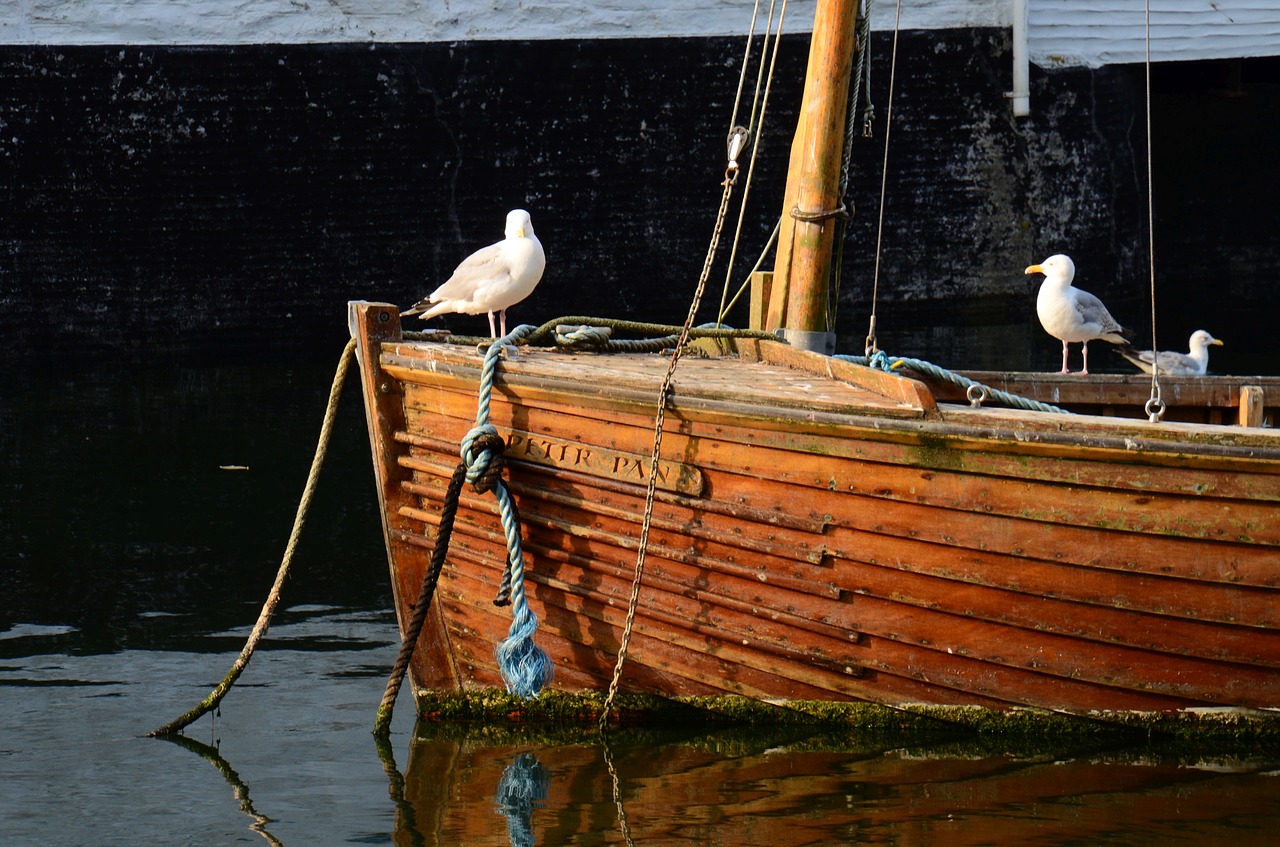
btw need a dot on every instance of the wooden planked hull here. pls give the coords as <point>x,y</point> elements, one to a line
<point>823,531</point>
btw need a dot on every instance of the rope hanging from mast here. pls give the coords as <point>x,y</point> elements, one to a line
<point>1155,405</point>
<point>759,108</point>
<point>859,96</point>
<point>872,345</point>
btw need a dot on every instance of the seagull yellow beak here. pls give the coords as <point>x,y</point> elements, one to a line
<point>1217,342</point>
<point>520,231</point>
<point>1034,269</point>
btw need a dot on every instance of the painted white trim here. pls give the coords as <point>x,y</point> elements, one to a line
<point>1104,32</point>
<point>1060,32</point>
<point>324,21</point>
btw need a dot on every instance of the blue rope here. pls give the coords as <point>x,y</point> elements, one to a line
<point>525,667</point>
<point>886,363</point>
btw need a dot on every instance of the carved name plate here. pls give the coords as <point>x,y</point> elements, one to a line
<point>600,461</point>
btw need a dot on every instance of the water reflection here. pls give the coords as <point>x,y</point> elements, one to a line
<point>733,788</point>
<point>522,788</point>
<point>238,787</point>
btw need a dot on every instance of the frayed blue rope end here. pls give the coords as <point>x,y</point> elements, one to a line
<point>525,667</point>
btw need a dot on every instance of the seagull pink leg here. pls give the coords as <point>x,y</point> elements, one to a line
<point>491,333</point>
<point>502,316</point>
<point>1084,352</point>
<point>1064,358</point>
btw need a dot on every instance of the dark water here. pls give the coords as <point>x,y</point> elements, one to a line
<point>143,511</point>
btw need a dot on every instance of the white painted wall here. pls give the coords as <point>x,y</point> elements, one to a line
<point>293,21</point>
<point>1103,32</point>
<point>1061,32</point>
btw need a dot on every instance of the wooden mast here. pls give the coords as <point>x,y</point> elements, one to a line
<point>798,300</point>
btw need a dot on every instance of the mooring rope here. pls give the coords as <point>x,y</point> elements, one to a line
<point>973,388</point>
<point>211,702</point>
<point>409,640</point>
<point>524,666</point>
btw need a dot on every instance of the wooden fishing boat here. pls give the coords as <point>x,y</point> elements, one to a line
<point>823,530</point>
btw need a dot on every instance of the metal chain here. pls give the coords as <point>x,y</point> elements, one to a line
<point>730,179</point>
<point>623,826</point>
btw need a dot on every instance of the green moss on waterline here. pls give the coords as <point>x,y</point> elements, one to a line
<point>1215,728</point>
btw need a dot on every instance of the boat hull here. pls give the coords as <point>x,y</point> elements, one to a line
<point>822,531</point>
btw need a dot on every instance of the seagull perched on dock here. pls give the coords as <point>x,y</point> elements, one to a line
<point>1070,314</point>
<point>492,279</point>
<point>1173,363</point>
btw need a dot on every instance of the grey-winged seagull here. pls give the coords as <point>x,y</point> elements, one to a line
<point>1173,363</point>
<point>1070,314</point>
<point>492,279</point>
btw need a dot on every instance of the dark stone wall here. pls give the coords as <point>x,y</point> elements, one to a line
<point>227,202</point>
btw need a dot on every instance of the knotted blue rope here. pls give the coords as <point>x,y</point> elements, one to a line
<point>525,667</point>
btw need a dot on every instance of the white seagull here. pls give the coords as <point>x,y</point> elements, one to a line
<point>1070,314</point>
<point>492,279</point>
<point>1172,363</point>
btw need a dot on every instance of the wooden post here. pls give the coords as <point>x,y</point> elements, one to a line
<point>761,285</point>
<point>1252,401</point>
<point>799,296</point>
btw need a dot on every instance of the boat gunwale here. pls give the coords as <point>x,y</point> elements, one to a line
<point>999,429</point>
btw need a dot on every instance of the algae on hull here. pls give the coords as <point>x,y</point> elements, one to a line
<point>1208,728</point>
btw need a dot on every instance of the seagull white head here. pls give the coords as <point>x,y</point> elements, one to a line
<point>1058,268</point>
<point>1201,340</point>
<point>519,224</point>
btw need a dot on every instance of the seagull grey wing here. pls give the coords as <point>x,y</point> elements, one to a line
<point>1142,358</point>
<point>480,268</point>
<point>1177,364</point>
<point>1092,311</point>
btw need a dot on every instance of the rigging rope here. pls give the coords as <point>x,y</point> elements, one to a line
<point>861,68</point>
<point>872,346</point>
<point>754,133</point>
<point>1155,405</point>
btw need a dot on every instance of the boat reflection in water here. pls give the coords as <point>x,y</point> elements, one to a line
<point>731,788</point>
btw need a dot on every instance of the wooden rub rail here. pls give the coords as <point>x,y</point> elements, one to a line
<point>1251,401</point>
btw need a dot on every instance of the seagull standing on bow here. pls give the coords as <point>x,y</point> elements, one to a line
<point>492,279</point>
<point>1072,315</point>
<point>1172,363</point>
